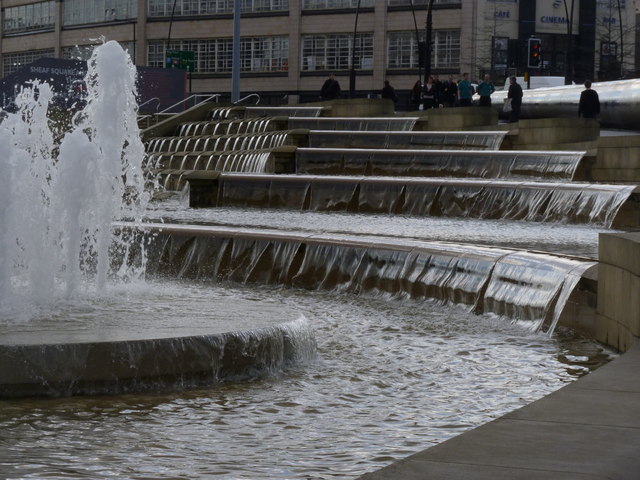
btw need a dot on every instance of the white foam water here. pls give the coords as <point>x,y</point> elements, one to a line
<point>60,192</point>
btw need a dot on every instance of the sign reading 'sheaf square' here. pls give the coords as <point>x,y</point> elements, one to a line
<point>553,16</point>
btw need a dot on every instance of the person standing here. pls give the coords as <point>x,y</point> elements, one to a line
<point>389,92</point>
<point>439,87</point>
<point>589,106</point>
<point>515,95</point>
<point>416,95</point>
<point>465,91</point>
<point>485,89</point>
<point>330,89</point>
<point>430,94</point>
<point>449,92</point>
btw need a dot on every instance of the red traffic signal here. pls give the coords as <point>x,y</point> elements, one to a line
<point>535,52</point>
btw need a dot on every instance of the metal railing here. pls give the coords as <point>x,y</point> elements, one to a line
<point>251,95</point>
<point>153,118</point>
<point>154,99</point>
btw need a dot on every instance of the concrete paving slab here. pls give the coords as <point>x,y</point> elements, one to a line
<point>556,447</point>
<point>572,405</point>
<point>425,470</point>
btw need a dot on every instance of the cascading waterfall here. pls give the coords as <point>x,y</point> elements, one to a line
<point>531,288</point>
<point>450,163</point>
<point>487,140</point>
<point>354,123</point>
<point>532,201</point>
<point>293,111</point>
<point>59,200</point>
<point>213,144</point>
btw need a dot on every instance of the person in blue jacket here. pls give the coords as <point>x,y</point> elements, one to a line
<point>485,89</point>
<point>465,91</point>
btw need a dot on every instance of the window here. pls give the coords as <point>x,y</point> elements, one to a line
<point>612,3</point>
<point>424,3</point>
<point>164,8</point>
<point>83,52</point>
<point>28,18</point>
<point>13,62</point>
<point>402,49</point>
<point>257,54</point>
<point>334,4</point>
<point>80,12</point>
<point>333,52</point>
<point>446,49</point>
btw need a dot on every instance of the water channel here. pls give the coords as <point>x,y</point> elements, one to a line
<point>390,377</point>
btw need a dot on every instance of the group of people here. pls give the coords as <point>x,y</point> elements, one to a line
<point>449,93</point>
<point>435,93</point>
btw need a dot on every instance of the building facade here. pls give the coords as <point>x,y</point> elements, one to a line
<point>288,47</point>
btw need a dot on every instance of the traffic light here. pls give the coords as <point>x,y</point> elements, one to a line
<point>535,50</point>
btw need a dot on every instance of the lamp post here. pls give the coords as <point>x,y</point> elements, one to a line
<point>621,41</point>
<point>352,72</point>
<point>427,47</point>
<point>568,64</point>
<point>235,56</point>
<point>415,24</point>
<point>173,11</point>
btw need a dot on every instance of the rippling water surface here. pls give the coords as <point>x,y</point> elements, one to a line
<point>575,240</point>
<point>391,377</point>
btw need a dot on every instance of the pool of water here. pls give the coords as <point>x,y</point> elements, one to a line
<point>391,377</point>
<point>141,310</point>
<point>574,240</point>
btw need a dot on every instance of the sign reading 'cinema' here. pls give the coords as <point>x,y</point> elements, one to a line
<point>551,16</point>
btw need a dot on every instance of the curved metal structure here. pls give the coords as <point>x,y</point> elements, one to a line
<point>619,102</point>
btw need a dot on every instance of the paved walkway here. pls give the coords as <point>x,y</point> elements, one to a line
<point>589,429</point>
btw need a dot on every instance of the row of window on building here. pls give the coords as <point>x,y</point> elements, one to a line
<point>323,52</point>
<point>42,15</point>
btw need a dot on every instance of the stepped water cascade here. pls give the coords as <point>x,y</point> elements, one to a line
<point>406,139</point>
<point>531,201</point>
<point>405,309</point>
<point>354,123</point>
<point>432,163</point>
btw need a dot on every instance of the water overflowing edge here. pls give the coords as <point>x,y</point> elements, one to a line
<point>522,286</point>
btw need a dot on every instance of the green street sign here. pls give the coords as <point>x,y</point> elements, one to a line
<point>181,59</point>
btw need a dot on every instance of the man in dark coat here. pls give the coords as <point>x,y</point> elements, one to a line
<point>449,92</point>
<point>389,92</point>
<point>589,106</point>
<point>515,94</point>
<point>330,89</point>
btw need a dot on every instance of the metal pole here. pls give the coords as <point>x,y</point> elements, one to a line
<point>568,64</point>
<point>352,72</point>
<point>427,47</point>
<point>235,65</point>
<point>415,24</point>
<point>621,42</point>
<point>173,10</point>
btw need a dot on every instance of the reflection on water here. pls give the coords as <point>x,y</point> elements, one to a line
<point>575,240</point>
<point>393,377</point>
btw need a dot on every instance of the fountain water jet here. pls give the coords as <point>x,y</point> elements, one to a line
<point>61,198</point>
<point>58,247</point>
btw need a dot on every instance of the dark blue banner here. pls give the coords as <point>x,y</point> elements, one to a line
<point>158,88</point>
